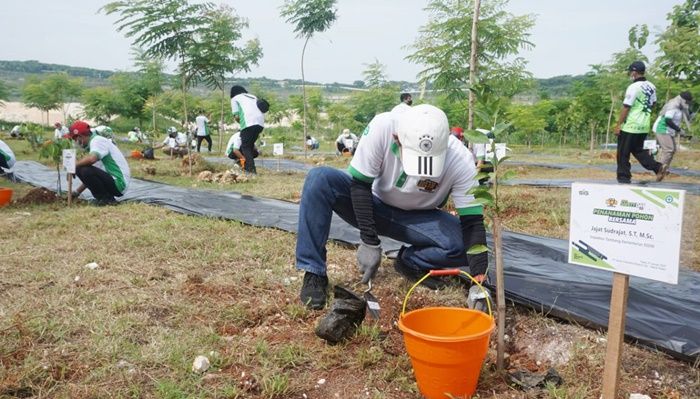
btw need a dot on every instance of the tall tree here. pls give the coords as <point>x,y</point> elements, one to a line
<point>217,52</point>
<point>64,89</point>
<point>100,104</point>
<point>678,45</point>
<point>52,92</point>
<point>163,28</point>
<point>444,48</point>
<point>375,75</point>
<point>151,74</point>
<point>309,17</point>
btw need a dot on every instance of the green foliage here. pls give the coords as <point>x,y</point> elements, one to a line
<point>678,44</point>
<point>375,75</point>
<point>315,103</point>
<point>100,104</point>
<point>34,134</point>
<point>444,47</point>
<point>309,16</point>
<point>215,50</point>
<point>367,104</point>
<point>170,103</point>
<point>53,149</point>
<point>51,92</point>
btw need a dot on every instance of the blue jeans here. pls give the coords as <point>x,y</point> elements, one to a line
<point>435,236</point>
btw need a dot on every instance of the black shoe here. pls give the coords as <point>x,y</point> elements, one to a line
<point>314,291</point>
<point>412,274</point>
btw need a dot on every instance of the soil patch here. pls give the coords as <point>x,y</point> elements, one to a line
<point>39,195</point>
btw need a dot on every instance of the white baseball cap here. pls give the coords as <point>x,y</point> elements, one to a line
<point>423,132</point>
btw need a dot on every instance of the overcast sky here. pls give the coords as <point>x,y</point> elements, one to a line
<point>569,35</point>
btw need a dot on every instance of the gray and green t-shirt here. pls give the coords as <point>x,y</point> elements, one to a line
<point>7,154</point>
<point>640,97</point>
<point>111,160</point>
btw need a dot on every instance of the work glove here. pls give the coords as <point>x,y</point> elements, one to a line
<point>476,298</point>
<point>368,259</point>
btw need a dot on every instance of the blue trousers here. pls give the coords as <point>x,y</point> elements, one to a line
<point>435,237</point>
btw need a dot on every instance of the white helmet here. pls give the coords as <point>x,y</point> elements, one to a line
<point>172,129</point>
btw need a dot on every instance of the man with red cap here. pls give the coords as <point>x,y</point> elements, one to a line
<point>104,170</point>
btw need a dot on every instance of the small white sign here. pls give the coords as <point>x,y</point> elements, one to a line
<point>484,151</point>
<point>649,144</point>
<point>278,149</point>
<point>69,160</point>
<point>627,229</point>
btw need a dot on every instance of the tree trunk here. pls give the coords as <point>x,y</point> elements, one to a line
<point>610,114</point>
<point>184,107</point>
<point>221,120</point>
<point>592,145</point>
<point>303,92</point>
<point>500,293</point>
<point>472,65</point>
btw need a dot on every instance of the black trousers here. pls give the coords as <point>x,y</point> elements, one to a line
<point>99,182</point>
<point>199,141</point>
<point>633,143</point>
<point>248,137</point>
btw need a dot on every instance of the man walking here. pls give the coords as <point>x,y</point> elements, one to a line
<point>668,128</point>
<point>405,167</point>
<point>634,124</point>
<point>104,170</point>
<point>202,131</point>
<point>246,112</point>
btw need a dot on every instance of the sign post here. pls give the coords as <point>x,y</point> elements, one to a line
<point>628,230</point>
<point>278,151</point>
<point>69,166</point>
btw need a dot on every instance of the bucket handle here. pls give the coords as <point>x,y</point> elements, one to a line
<point>447,272</point>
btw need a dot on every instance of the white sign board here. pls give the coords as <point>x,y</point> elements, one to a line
<point>649,144</point>
<point>69,160</point>
<point>484,151</point>
<point>278,149</point>
<point>627,229</point>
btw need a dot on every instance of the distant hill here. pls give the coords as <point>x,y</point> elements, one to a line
<point>16,72</point>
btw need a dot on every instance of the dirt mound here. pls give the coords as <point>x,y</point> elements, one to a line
<point>607,155</point>
<point>39,195</point>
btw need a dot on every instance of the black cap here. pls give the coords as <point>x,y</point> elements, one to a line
<point>236,90</point>
<point>637,66</point>
<point>687,96</point>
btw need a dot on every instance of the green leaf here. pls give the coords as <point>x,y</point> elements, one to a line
<point>478,189</point>
<point>503,159</point>
<point>484,195</point>
<point>475,136</point>
<point>508,175</point>
<point>477,249</point>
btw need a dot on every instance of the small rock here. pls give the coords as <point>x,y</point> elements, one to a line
<point>639,396</point>
<point>76,278</point>
<point>92,266</point>
<point>200,364</point>
<point>321,381</point>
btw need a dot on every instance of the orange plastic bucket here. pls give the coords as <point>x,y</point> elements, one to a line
<point>447,347</point>
<point>5,196</point>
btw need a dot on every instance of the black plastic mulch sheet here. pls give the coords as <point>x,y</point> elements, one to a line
<point>537,274</point>
<point>271,164</point>
<point>612,168</point>
<point>690,188</point>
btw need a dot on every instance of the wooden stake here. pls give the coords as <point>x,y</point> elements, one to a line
<point>616,335</point>
<point>500,293</point>
<point>70,188</point>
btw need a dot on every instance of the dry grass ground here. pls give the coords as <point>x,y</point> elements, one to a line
<point>170,287</point>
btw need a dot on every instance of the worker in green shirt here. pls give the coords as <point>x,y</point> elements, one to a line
<point>634,124</point>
